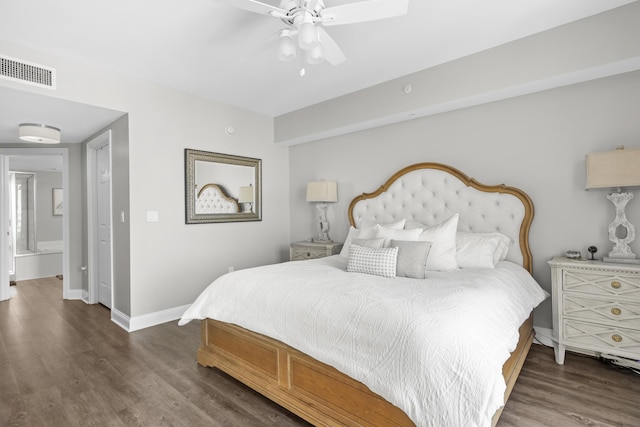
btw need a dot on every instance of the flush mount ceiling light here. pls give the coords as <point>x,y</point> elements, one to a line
<point>42,134</point>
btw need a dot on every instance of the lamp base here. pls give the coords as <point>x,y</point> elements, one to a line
<point>621,231</point>
<point>323,224</point>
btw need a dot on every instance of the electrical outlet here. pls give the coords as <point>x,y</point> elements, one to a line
<point>231,269</point>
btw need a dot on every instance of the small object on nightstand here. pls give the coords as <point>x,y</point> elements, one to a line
<point>592,250</point>
<point>573,254</point>
<point>312,250</point>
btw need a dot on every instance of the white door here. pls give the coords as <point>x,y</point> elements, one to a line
<point>104,224</point>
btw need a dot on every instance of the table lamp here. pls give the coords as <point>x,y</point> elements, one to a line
<point>322,192</point>
<point>617,169</point>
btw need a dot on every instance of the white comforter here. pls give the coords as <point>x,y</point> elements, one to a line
<point>433,347</point>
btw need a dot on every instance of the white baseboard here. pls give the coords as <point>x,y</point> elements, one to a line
<point>543,336</point>
<point>120,319</point>
<point>150,319</point>
<point>74,294</point>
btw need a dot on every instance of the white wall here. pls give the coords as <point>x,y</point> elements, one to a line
<point>535,142</point>
<point>172,262</point>
<point>36,266</point>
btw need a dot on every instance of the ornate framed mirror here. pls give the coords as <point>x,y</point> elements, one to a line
<point>222,187</point>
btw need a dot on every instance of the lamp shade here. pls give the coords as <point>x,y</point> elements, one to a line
<point>246,195</point>
<point>286,46</point>
<point>316,55</point>
<point>307,35</point>
<point>42,134</point>
<point>613,169</point>
<point>322,191</point>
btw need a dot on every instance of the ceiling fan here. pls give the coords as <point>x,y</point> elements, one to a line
<point>305,20</point>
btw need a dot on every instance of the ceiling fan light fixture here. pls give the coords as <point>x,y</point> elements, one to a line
<point>316,55</point>
<point>41,134</point>
<point>307,35</point>
<point>286,47</point>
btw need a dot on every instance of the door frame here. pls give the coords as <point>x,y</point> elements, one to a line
<point>66,224</point>
<point>5,290</point>
<point>98,142</point>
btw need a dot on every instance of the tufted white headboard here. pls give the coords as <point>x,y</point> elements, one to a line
<point>212,199</point>
<point>431,192</point>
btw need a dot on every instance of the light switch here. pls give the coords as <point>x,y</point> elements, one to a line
<point>121,216</point>
<point>152,216</point>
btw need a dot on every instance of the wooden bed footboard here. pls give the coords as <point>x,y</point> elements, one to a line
<point>313,390</point>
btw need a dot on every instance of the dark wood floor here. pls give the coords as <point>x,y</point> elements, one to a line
<point>63,363</point>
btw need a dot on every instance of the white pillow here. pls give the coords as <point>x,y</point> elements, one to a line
<point>397,225</point>
<point>480,250</point>
<point>356,233</point>
<point>503,248</point>
<point>390,234</point>
<point>443,238</point>
<point>412,258</point>
<point>366,231</point>
<point>380,262</point>
<point>369,243</point>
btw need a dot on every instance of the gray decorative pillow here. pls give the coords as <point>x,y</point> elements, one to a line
<point>412,258</point>
<point>369,243</point>
<point>380,262</point>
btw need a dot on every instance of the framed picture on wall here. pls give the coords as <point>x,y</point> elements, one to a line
<point>57,201</point>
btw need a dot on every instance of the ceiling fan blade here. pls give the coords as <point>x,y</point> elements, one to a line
<point>363,11</point>
<point>332,52</point>
<point>255,6</point>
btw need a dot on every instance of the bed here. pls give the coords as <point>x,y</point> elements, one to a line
<point>212,199</point>
<point>300,362</point>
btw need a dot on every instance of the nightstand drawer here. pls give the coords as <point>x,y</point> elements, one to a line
<point>606,339</point>
<point>621,314</point>
<point>312,250</point>
<point>300,253</point>
<point>602,283</point>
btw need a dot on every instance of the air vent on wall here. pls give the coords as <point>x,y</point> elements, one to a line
<point>25,72</point>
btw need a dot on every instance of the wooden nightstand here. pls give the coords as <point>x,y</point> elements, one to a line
<point>299,251</point>
<point>596,308</point>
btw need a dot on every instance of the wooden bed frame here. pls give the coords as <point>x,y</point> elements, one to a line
<point>317,392</point>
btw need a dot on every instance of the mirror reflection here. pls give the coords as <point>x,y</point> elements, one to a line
<point>221,187</point>
<point>23,199</point>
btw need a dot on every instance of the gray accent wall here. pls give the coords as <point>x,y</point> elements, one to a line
<point>524,114</point>
<point>535,142</point>
<point>48,226</point>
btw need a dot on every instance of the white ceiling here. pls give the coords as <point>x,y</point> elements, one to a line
<point>229,55</point>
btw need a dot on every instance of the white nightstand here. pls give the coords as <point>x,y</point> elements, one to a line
<point>299,251</point>
<point>596,308</point>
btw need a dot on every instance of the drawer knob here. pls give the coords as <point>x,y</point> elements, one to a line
<point>616,311</point>
<point>615,284</point>
<point>616,338</point>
